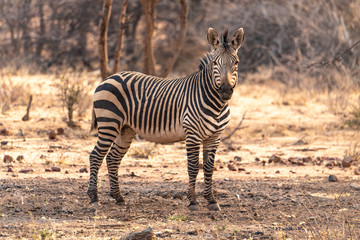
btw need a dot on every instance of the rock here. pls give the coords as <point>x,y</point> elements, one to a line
<point>231,148</point>
<point>10,170</point>
<point>237,159</point>
<point>241,169</point>
<point>55,169</point>
<point>257,159</point>
<point>333,178</point>
<point>306,159</point>
<point>330,164</point>
<point>3,143</point>
<point>52,135</point>
<point>277,172</point>
<point>357,171</point>
<point>60,131</point>
<point>274,159</point>
<point>66,172</point>
<point>21,133</point>
<point>355,186</point>
<point>4,132</point>
<point>201,166</point>
<point>83,170</point>
<point>219,163</point>
<point>20,158</point>
<point>347,161</point>
<point>26,170</point>
<point>231,167</point>
<point>147,234</point>
<point>8,159</point>
<point>47,170</point>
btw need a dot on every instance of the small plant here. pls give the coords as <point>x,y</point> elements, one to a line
<point>70,96</point>
<point>12,93</point>
<point>353,152</point>
<point>179,217</point>
<point>353,120</point>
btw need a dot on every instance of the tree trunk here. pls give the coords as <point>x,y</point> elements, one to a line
<point>40,40</point>
<point>104,22</point>
<point>121,36</point>
<point>25,19</point>
<point>149,12</point>
<point>180,41</point>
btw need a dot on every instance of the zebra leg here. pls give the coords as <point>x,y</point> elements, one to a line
<point>192,149</point>
<point>96,158</point>
<point>209,151</point>
<point>113,160</point>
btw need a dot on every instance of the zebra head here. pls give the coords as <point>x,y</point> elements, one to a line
<point>225,61</point>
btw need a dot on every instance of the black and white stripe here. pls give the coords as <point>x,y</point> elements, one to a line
<point>193,108</point>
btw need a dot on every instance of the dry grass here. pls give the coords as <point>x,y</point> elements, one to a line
<point>12,94</point>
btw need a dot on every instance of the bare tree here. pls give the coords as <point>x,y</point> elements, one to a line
<point>149,7</point>
<point>181,38</point>
<point>121,36</point>
<point>104,23</point>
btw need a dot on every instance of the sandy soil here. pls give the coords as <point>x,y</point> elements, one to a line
<point>260,200</point>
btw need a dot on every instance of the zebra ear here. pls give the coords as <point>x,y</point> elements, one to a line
<point>213,38</point>
<point>238,38</point>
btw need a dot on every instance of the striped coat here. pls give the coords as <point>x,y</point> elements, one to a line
<point>194,108</point>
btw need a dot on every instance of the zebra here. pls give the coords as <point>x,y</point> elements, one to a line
<point>193,108</point>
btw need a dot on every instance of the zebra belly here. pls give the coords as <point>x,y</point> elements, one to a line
<point>175,135</point>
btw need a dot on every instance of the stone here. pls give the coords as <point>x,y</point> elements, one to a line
<point>20,158</point>
<point>333,178</point>
<point>357,171</point>
<point>55,169</point>
<point>4,132</point>
<point>231,167</point>
<point>10,169</point>
<point>147,234</point>
<point>52,135</point>
<point>274,159</point>
<point>83,170</point>
<point>60,131</point>
<point>237,159</point>
<point>8,159</point>
<point>347,161</point>
<point>26,170</point>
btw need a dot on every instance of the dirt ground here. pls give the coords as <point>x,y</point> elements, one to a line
<point>284,197</point>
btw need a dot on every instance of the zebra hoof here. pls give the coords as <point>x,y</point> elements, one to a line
<point>120,202</point>
<point>214,207</point>
<point>194,207</point>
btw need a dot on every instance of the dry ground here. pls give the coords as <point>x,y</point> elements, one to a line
<point>261,201</point>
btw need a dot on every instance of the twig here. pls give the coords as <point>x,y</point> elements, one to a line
<point>235,129</point>
<point>335,59</point>
<point>26,117</point>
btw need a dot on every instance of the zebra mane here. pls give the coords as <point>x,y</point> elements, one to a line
<point>205,60</point>
<point>224,39</point>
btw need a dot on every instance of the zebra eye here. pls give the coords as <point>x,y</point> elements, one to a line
<point>215,63</point>
<point>236,62</point>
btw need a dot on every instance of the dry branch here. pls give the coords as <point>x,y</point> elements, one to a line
<point>26,117</point>
<point>335,59</point>
<point>180,41</point>
<point>235,129</point>
<point>121,36</point>
<point>104,22</point>
<point>149,12</point>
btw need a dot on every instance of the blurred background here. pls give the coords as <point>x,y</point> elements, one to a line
<point>300,44</point>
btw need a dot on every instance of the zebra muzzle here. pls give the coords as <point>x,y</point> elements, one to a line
<point>225,91</point>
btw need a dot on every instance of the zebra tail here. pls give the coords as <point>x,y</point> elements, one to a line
<point>93,122</point>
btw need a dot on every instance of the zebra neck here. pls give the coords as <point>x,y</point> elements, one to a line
<point>209,92</point>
